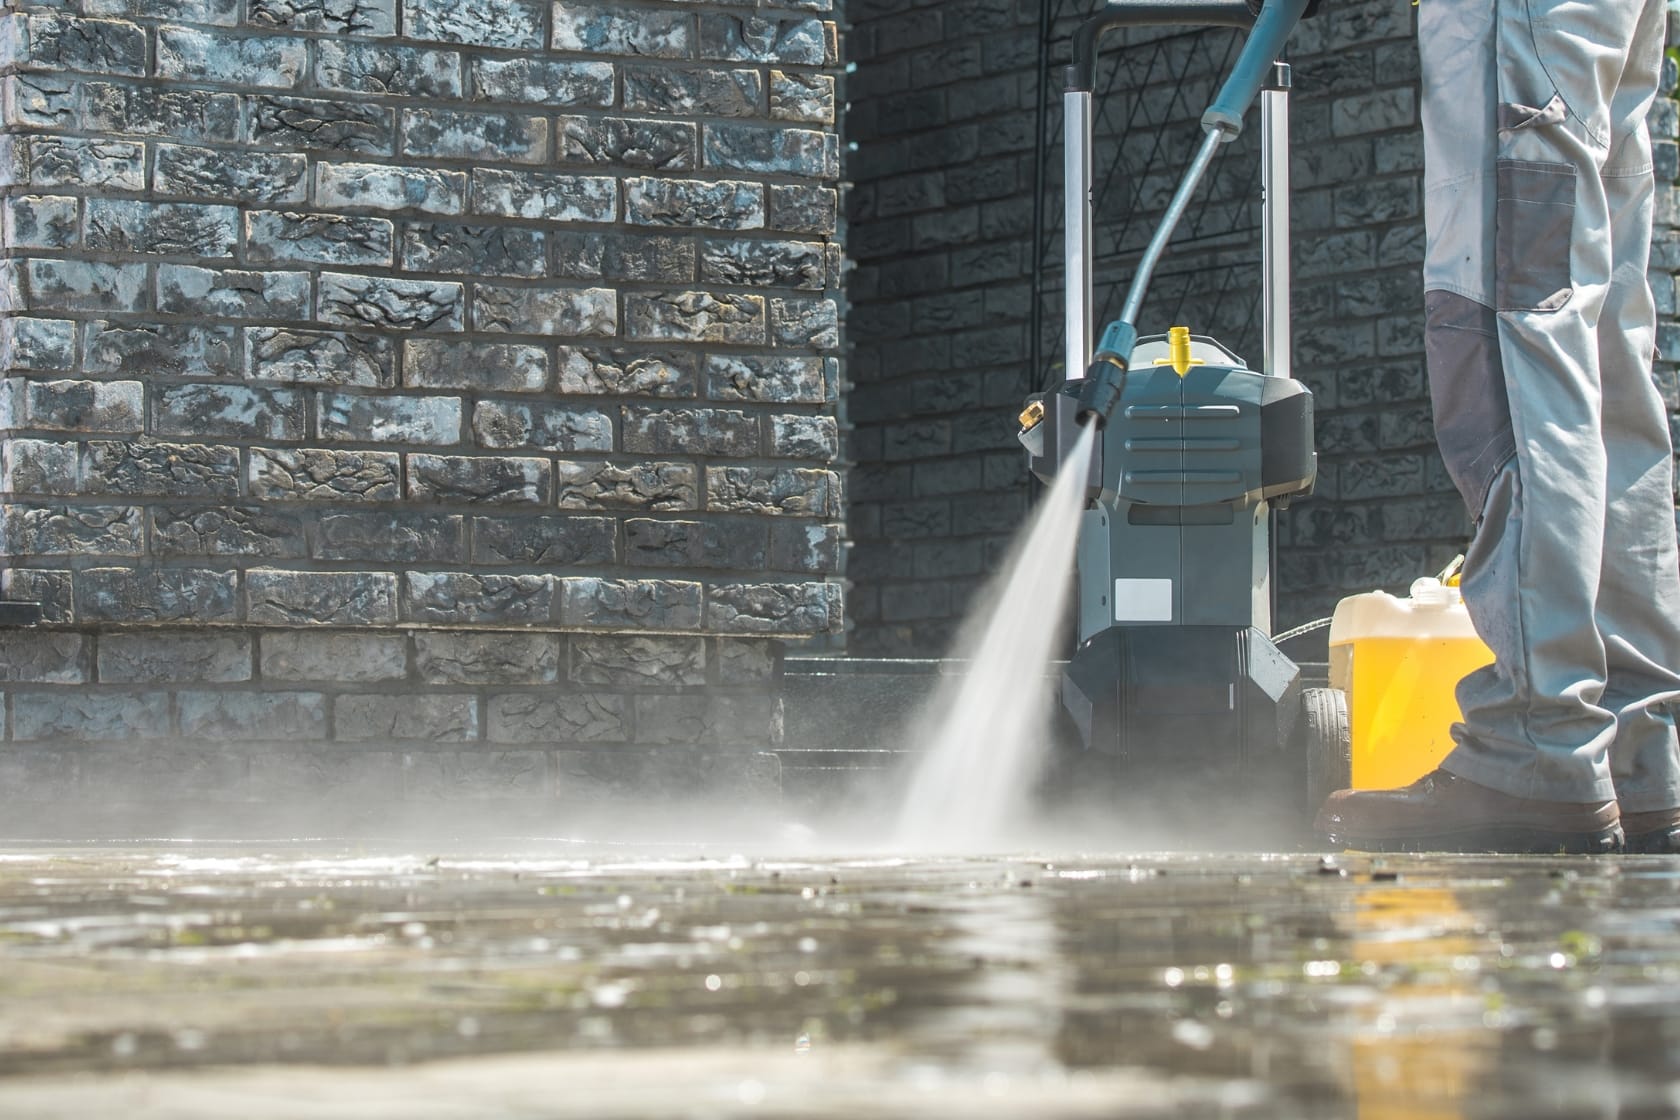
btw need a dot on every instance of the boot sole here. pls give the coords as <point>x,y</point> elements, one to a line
<point>1507,839</point>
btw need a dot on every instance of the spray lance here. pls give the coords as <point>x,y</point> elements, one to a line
<point>1273,21</point>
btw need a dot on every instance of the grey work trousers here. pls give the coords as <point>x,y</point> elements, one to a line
<point>1540,334</point>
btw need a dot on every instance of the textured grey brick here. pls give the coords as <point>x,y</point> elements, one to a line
<point>178,114</point>
<point>612,372</point>
<point>704,93</point>
<point>431,717</point>
<point>516,424</point>
<point>434,420</point>
<point>167,349</point>
<point>325,474</point>
<point>619,256</point>
<point>380,68</point>
<point>773,490</point>
<point>543,81</point>
<point>473,598</point>
<point>69,285</point>
<point>44,657</point>
<point>328,775</point>
<point>305,357</point>
<point>49,590</point>
<point>803,209</point>
<point>189,54</point>
<point>445,658</point>
<point>190,772</point>
<point>803,547</point>
<point>567,312</point>
<point>41,222</point>
<point>156,595</point>
<point>551,541</point>
<point>644,32</point>
<point>695,317</point>
<point>479,479</point>
<point>637,486</point>
<point>277,235</point>
<point>544,196</point>
<point>238,411</point>
<point>375,186</point>
<point>693,431</point>
<point>37,344</point>
<point>89,717</point>
<point>225,530</point>
<point>382,537</point>
<point>226,293</point>
<point>288,598</point>
<point>804,437</point>
<point>290,655</point>
<point>431,363</point>
<point>780,380</point>
<point>342,17</point>
<point>219,12</point>
<point>40,530</point>
<point>770,264</point>
<point>504,24</point>
<point>629,604</point>
<point>243,715</point>
<point>500,250</point>
<point>802,97</point>
<point>695,544</point>
<point>391,304</point>
<point>84,406</point>
<point>312,124</point>
<point>173,228</point>
<point>458,776</point>
<point>746,661</point>
<point>249,176</point>
<point>692,203</point>
<point>67,161</point>
<point>601,659</point>
<point>165,469</point>
<point>64,43</point>
<point>742,38</point>
<point>157,658</point>
<point>804,152</point>
<point>768,608</point>
<point>621,142</point>
<point>40,467</point>
<point>802,323</point>
<point>40,101</point>
<point>454,134</point>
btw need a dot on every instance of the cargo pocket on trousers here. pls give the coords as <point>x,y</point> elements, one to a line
<point>1467,392</point>
<point>1533,218</point>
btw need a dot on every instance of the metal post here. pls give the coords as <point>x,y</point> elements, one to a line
<point>1274,158</point>
<point>1076,226</point>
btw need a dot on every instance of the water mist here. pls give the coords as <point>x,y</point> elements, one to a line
<point>984,733</point>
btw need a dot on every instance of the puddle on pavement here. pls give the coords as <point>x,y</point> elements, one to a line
<point>1402,988</point>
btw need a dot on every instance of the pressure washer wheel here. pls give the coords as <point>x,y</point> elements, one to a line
<point>1328,741</point>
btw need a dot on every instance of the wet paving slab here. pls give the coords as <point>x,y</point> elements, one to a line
<point>542,978</point>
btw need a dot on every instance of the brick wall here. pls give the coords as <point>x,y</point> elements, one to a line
<point>391,315</point>
<point>943,114</point>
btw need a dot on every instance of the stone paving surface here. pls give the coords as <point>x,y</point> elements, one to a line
<point>553,978</point>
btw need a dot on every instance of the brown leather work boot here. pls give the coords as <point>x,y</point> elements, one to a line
<point>1441,812</point>
<point>1653,833</point>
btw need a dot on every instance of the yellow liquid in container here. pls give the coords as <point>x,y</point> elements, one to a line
<point>1400,661</point>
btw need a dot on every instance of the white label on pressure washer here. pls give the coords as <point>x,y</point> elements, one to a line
<point>1143,600</point>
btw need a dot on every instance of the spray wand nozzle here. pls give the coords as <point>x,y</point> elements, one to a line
<point>1105,379</point>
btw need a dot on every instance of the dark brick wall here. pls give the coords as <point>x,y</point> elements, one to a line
<point>943,117</point>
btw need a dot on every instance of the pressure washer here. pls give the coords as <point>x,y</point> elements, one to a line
<point>1175,667</point>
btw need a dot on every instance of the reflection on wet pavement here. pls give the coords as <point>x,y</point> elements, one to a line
<point>156,982</point>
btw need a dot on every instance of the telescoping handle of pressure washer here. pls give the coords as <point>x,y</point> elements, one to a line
<point>1256,67</point>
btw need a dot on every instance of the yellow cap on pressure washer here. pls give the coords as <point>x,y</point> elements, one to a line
<point>1178,343</point>
<point>1031,415</point>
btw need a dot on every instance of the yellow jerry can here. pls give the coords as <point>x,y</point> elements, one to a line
<point>1399,661</point>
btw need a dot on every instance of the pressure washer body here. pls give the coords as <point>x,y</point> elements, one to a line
<point>1174,669</point>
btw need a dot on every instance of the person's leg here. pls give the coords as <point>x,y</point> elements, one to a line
<point>1639,594</point>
